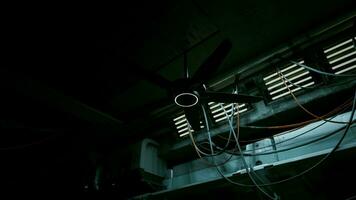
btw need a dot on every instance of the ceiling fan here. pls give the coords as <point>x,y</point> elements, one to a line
<point>190,92</point>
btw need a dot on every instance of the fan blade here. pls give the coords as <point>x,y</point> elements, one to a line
<point>220,97</point>
<point>212,63</point>
<point>157,79</point>
<point>193,116</point>
<point>148,108</point>
<point>151,76</point>
<point>157,105</point>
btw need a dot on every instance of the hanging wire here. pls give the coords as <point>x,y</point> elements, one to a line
<point>281,76</point>
<point>322,72</point>
<point>332,113</point>
<point>243,159</point>
<point>200,152</point>
<point>347,127</point>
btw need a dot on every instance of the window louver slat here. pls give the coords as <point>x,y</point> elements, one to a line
<point>343,64</point>
<point>328,50</point>
<point>293,90</point>
<point>290,85</point>
<point>341,56</point>
<point>218,111</point>
<point>299,69</point>
<point>181,124</point>
<point>180,121</point>
<point>282,70</point>
<point>295,74</point>
<point>346,69</point>
<point>290,79</point>
<point>339,52</point>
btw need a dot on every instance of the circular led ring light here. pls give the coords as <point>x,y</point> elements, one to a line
<point>188,94</point>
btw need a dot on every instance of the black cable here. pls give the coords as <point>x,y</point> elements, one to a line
<point>243,158</point>
<point>301,106</point>
<point>206,154</point>
<point>282,150</point>
<point>291,148</point>
<point>293,177</point>
<point>322,72</point>
<point>328,155</point>
<point>299,125</point>
<point>217,167</point>
<point>296,136</point>
<point>221,150</point>
<point>230,133</point>
<point>287,149</point>
<point>286,140</point>
<point>312,167</point>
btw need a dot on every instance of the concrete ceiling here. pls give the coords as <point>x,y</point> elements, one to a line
<point>71,91</point>
<point>95,55</point>
<point>254,27</point>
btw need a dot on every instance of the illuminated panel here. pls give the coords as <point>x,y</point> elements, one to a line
<point>218,112</point>
<point>294,73</point>
<point>342,56</point>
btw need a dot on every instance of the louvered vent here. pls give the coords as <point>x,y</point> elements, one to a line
<point>342,56</point>
<point>294,73</point>
<point>219,114</point>
<point>181,124</point>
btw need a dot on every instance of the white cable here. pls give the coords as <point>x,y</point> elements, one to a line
<point>287,179</point>
<point>244,160</point>
<point>305,171</point>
